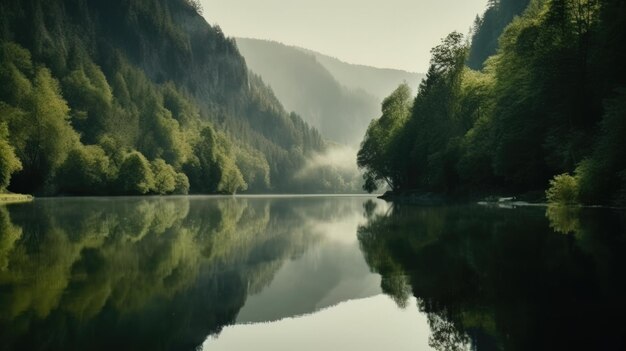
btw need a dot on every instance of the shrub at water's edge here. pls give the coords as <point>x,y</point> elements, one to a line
<point>563,190</point>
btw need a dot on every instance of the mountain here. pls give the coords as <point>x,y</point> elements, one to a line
<point>379,82</point>
<point>137,97</point>
<point>308,88</point>
<point>337,98</point>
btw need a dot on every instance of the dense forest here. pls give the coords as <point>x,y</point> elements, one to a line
<point>139,97</point>
<point>548,109</point>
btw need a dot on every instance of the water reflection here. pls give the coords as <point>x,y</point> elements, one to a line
<point>274,273</point>
<point>494,279</point>
<point>369,324</point>
<point>164,273</point>
<point>133,274</point>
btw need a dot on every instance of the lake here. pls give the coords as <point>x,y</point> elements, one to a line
<point>308,273</point>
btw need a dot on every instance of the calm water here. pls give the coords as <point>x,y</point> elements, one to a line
<point>311,273</point>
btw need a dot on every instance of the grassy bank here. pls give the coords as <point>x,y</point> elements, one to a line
<point>14,198</point>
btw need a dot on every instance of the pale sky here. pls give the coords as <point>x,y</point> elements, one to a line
<point>381,33</point>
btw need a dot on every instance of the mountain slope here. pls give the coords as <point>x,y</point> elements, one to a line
<point>308,88</point>
<point>134,83</point>
<point>379,82</point>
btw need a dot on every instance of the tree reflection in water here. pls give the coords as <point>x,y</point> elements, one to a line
<point>494,279</point>
<point>163,273</point>
<point>158,274</point>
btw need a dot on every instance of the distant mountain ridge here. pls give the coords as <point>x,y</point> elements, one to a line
<point>379,82</point>
<point>338,98</point>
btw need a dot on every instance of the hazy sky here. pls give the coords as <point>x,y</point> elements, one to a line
<point>381,33</point>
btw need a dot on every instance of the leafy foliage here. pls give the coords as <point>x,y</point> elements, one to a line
<point>9,163</point>
<point>164,177</point>
<point>376,153</point>
<point>135,176</point>
<point>603,174</point>
<point>563,190</point>
<point>86,170</point>
<point>212,169</point>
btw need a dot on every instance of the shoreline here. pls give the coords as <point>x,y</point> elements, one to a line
<point>15,198</point>
<point>523,200</point>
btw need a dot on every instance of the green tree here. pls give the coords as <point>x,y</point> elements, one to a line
<point>87,170</point>
<point>164,177</point>
<point>475,166</point>
<point>47,135</point>
<point>36,115</point>
<point>9,163</point>
<point>563,190</point>
<point>88,92</point>
<point>254,168</point>
<point>163,138</point>
<point>135,176</point>
<point>182,184</point>
<point>602,176</point>
<point>213,169</point>
<point>16,70</point>
<point>432,136</point>
<point>378,153</point>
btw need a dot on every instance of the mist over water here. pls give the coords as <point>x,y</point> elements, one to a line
<point>337,166</point>
<point>339,157</point>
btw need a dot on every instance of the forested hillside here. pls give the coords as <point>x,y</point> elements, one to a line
<point>137,97</point>
<point>305,86</point>
<point>551,101</point>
